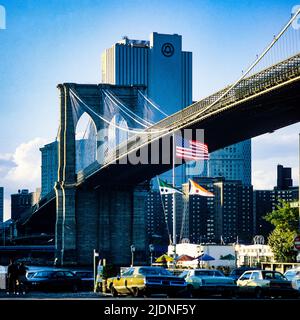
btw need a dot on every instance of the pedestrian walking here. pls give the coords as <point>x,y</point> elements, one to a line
<point>12,277</point>
<point>22,270</point>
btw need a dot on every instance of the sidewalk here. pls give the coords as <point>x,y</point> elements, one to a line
<point>53,295</point>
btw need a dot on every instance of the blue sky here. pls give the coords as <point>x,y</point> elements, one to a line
<point>55,41</point>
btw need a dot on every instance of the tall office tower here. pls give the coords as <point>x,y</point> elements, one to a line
<point>49,167</point>
<point>284,177</point>
<point>1,204</point>
<point>201,220</point>
<point>159,212</point>
<point>234,212</point>
<point>232,162</point>
<point>226,216</point>
<point>161,66</point>
<point>20,202</point>
<point>265,201</point>
<point>157,232</point>
<point>262,204</point>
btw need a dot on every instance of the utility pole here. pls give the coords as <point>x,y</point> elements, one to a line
<point>299,184</point>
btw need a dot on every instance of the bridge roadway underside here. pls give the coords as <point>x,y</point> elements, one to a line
<point>264,113</point>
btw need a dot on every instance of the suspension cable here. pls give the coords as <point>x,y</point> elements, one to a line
<point>110,97</point>
<point>119,102</point>
<point>75,96</point>
<point>152,103</point>
<point>276,38</point>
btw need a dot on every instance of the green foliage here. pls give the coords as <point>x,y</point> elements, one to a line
<point>281,240</point>
<point>284,216</point>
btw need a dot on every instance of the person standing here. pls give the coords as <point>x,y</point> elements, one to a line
<point>12,276</point>
<point>22,270</point>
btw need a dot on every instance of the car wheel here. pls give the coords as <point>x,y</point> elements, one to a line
<point>136,292</point>
<point>113,291</point>
<point>190,291</point>
<point>226,294</point>
<point>259,293</point>
<point>74,288</point>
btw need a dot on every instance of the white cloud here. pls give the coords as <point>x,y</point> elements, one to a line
<point>269,150</point>
<point>21,169</point>
<point>264,171</point>
<point>28,161</point>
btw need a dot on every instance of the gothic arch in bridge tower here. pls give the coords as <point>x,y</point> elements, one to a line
<point>85,214</point>
<point>86,142</point>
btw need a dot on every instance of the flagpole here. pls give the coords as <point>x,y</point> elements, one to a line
<point>163,206</point>
<point>174,199</point>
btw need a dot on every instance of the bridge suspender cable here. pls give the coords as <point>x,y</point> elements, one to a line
<point>118,103</point>
<point>73,95</point>
<point>276,38</point>
<point>152,104</point>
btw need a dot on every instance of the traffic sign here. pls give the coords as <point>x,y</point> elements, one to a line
<point>297,242</point>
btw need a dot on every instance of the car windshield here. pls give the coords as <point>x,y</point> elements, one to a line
<point>238,272</point>
<point>84,274</point>
<point>292,274</point>
<point>205,273</point>
<point>42,274</point>
<point>154,271</point>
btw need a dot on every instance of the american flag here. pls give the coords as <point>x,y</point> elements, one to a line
<point>191,149</point>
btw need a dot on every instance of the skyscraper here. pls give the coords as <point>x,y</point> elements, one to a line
<point>265,201</point>
<point>20,203</point>
<point>49,167</point>
<point>1,204</point>
<point>160,64</point>
<point>284,177</point>
<point>232,162</point>
<point>166,71</point>
<point>228,214</point>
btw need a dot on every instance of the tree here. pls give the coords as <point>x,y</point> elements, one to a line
<point>281,240</point>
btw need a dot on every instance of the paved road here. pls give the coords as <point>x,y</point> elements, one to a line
<point>89,295</point>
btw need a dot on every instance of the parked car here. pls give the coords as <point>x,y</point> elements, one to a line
<point>237,272</point>
<point>208,282</point>
<point>265,283</point>
<point>144,281</point>
<point>53,280</point>
<point>294,276</point>
<point>87,279</point>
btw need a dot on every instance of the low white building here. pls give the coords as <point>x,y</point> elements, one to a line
<point>214,250</point>
<point>250,255</point>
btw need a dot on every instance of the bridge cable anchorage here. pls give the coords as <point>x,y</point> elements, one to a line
<point>149,123</point>
<point>152,103</point>
<point>276,38</point>
<point>120,106</point>
<point>75,97</point>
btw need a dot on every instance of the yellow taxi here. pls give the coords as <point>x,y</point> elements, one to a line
<point>146,280</point>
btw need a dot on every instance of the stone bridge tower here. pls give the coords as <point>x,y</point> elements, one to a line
<point>99,216</point>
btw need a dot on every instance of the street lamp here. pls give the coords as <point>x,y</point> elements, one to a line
<point>151,249</point>
<point>95,262</point>
<point>132,248</point>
